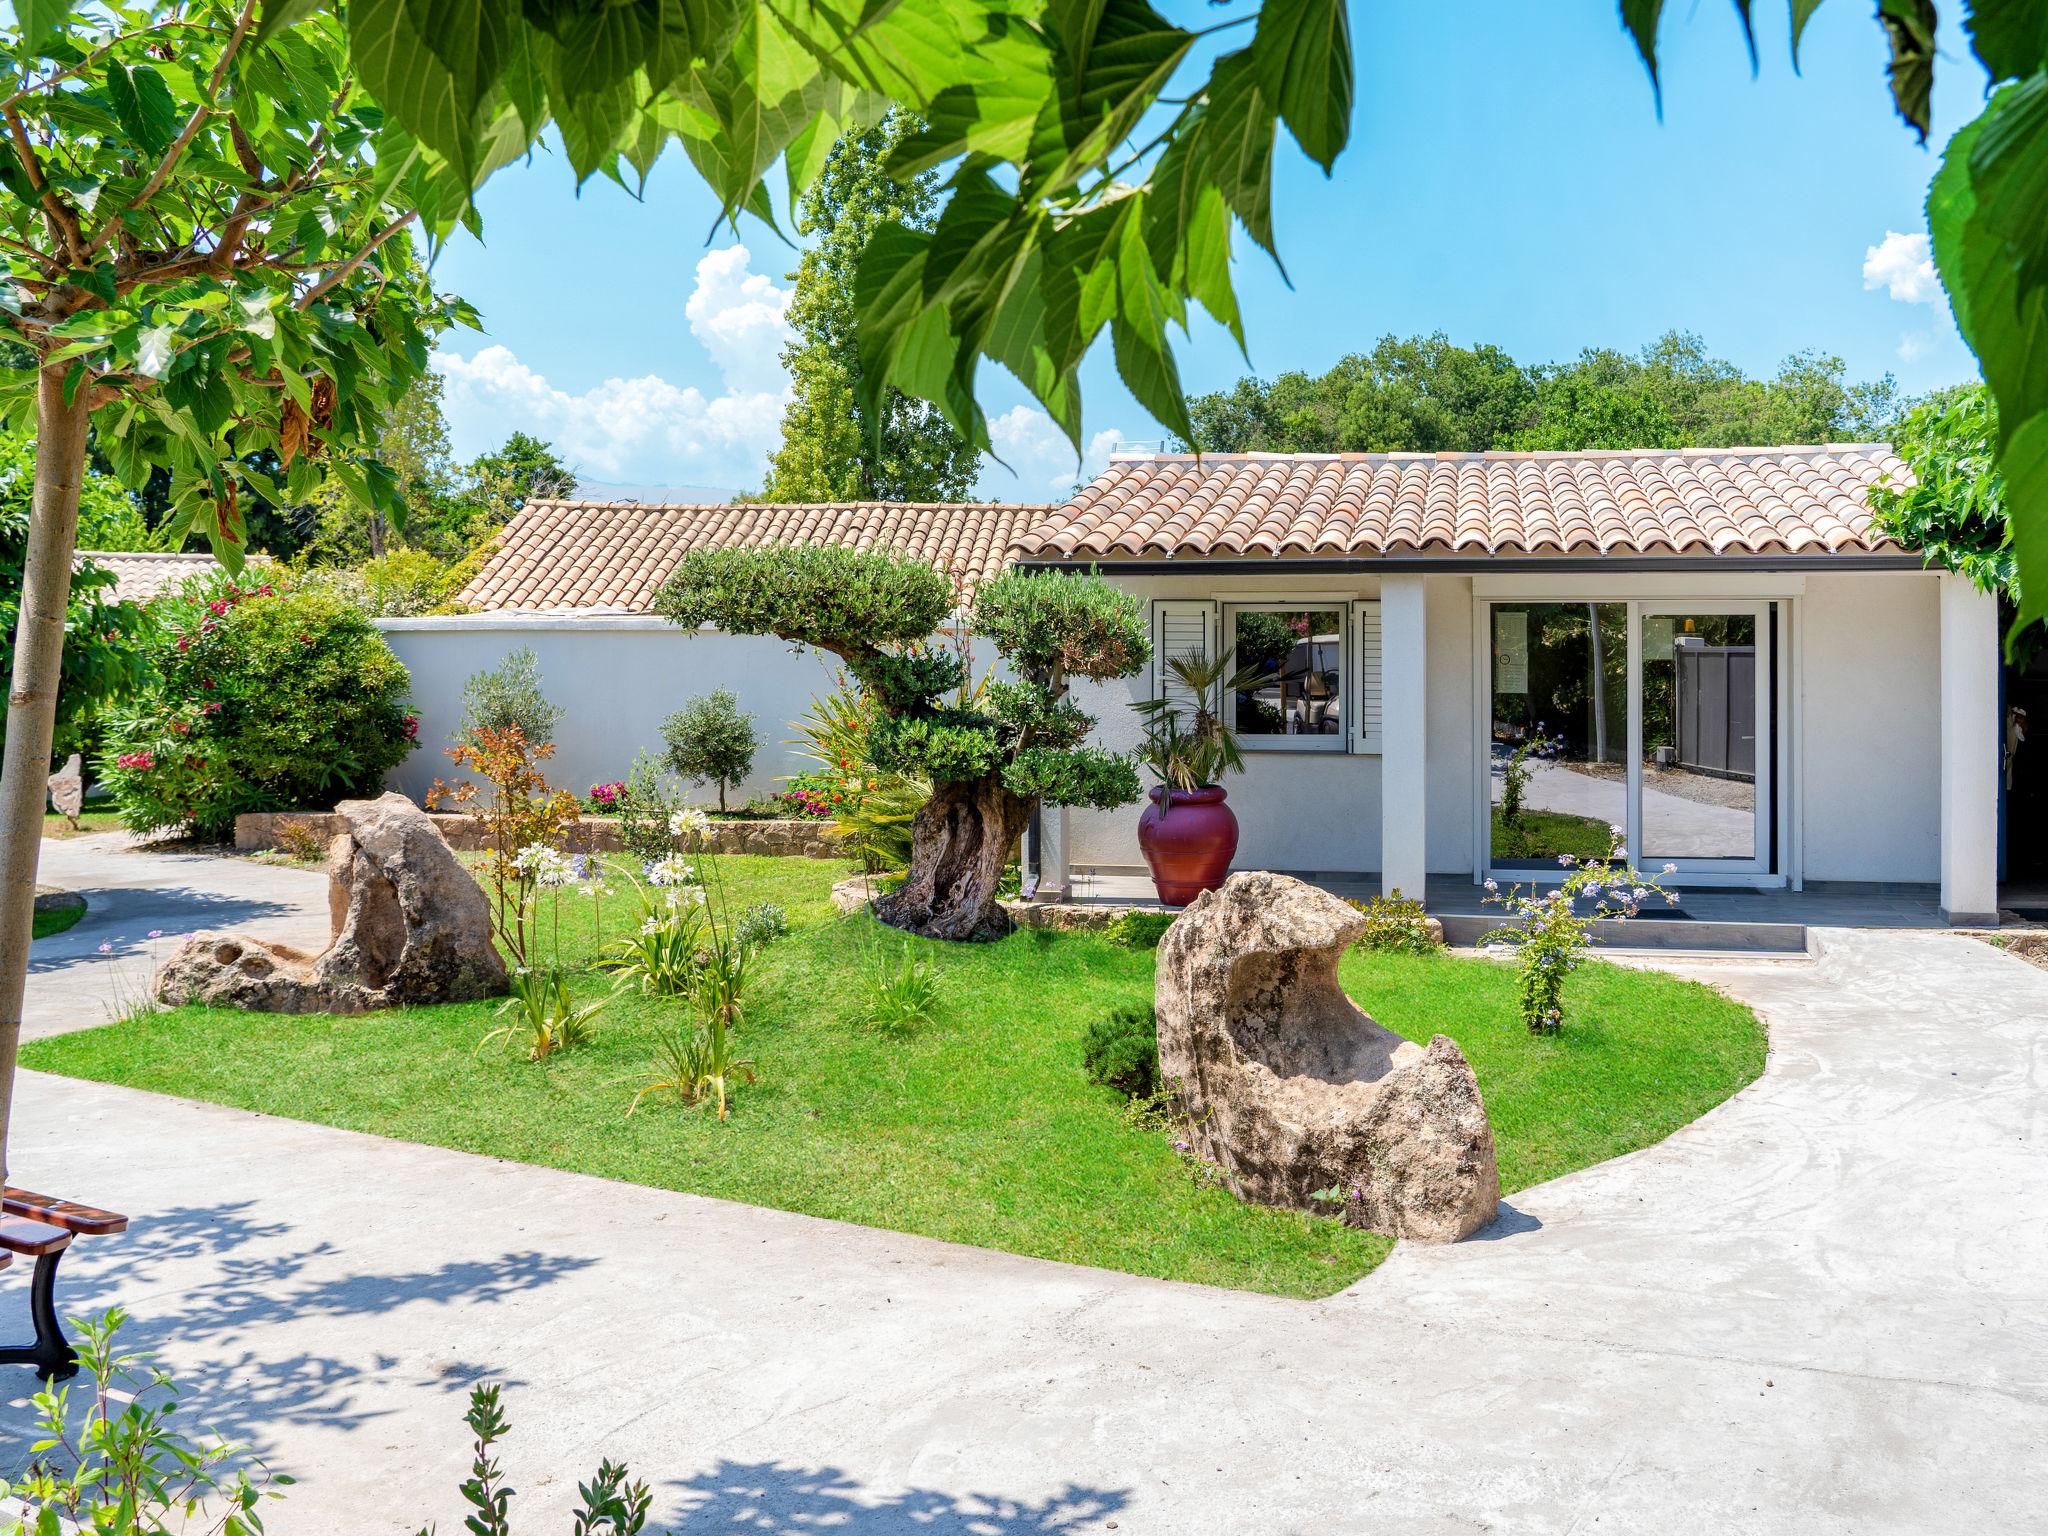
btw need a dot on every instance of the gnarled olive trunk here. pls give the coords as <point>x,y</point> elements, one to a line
<point>960,843</point>
<point>32,698</point>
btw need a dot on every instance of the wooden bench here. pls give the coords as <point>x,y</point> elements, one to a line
<point>39,1227</point>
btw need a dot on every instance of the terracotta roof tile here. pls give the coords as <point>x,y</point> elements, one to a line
<point>616,555</point>
<point>1688,501</point>
<point>140,574</point>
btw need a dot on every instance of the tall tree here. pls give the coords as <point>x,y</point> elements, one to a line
<point>203,245</point>
<point>837,445</point>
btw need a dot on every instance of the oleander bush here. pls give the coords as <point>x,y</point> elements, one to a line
<point>260,697</point>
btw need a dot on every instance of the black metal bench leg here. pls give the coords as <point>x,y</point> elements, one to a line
<point>52,1355</point>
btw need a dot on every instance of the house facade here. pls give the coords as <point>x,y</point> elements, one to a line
<point>1454,665</point>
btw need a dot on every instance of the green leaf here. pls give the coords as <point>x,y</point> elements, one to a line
<point>143,106</point>
<point>431,63</point>
<point>1802,13</point>
<point>1640,18</point>
<point>2009,177</point>
<point>153,351</point>
<point>203,393</point>
<point>280,14</point>
<point>1909,28</point>
<point>1303,53</point>
<point>1187,230</point>
<point>2006,326</point>
<point>39,18</point>
<point>1237,142</point>
<point>2009,36</point>
<point>1132,55</point>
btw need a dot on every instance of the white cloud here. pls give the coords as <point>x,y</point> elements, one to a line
<point>1902,265</point>
<point>648,429</point>
<point>1040,457</point>
<point>1914,345</point>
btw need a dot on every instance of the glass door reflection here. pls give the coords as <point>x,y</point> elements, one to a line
<point>1706,750</point>
<point>1560,731</point>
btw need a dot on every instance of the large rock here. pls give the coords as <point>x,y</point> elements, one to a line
<point>1292,1089</point>
<point>410,926</point>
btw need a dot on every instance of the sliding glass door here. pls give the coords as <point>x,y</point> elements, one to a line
<point>1650,722</point>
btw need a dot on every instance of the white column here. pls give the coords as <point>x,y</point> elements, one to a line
<point>1969,753</point>
<point>1055,874</point>
<point>1404,725</point>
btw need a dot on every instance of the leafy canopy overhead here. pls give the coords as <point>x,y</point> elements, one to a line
<point>202,234</point>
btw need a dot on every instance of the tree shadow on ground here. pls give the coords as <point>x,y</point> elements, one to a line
<point>173,912</point>
<point>768,1499</point>
<point>225,1388</point>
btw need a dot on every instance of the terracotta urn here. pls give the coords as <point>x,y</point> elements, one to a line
<point>1189,837</point>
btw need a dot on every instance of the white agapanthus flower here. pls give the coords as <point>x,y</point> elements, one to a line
<point>674,870</point>
<point>688,822</point>
<point>545,866</point>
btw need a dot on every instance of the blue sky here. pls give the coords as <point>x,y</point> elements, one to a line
<point>1508,181</point>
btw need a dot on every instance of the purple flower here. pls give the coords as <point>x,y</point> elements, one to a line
<point>156,933</point>
<point>106,948</point>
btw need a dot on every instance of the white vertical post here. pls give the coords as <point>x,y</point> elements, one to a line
<point>1404,724</point>
<point>1055,874</point>
<point>1969,753</point>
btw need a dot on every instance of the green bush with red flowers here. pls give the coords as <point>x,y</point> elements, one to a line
<point>260,698</point>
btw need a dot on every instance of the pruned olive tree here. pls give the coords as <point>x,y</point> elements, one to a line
<point>992,752</point>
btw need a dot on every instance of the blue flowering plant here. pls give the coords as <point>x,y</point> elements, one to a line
<point>1550,928</point>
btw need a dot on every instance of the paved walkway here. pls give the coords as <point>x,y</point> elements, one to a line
<point>1822,1308</point>
<point>128,894</point>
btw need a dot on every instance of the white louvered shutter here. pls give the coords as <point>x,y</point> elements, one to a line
<point>1179,627</point>
<point>1365,647</point>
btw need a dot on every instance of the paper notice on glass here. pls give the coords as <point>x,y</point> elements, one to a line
<point>1510,652</point>
<point>1658,637</point>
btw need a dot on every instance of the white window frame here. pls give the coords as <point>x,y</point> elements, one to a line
<point>1338,742</point>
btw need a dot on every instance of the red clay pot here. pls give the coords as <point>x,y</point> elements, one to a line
<point>1189,837</point>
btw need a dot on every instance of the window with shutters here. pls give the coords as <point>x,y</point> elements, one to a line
<point>1295,698</point>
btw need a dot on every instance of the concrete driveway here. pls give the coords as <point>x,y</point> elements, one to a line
<point>1821,1308</point>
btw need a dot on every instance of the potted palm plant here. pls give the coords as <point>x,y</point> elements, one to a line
<point>1188,833</point>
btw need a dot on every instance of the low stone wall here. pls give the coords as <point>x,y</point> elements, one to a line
<point>781,837</point>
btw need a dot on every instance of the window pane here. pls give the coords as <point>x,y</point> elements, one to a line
<point>1560,729</point>
<point>1699,736</point>
<point>1297,654</point>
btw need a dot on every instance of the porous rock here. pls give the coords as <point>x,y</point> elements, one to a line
<point>1293,1090</point>
<point>410,926</point>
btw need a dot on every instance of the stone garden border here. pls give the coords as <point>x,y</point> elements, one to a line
<point>780,837</point>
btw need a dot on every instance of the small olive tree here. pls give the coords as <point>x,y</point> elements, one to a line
<point>711,740</point>
<point>991,754</point>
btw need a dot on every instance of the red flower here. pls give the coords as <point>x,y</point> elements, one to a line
<point>184,642</point>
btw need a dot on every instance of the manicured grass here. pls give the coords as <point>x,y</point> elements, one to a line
<point>980,1128</point>
<point>89,822</point>
<point>56,920</point>
<point>1546,834</point>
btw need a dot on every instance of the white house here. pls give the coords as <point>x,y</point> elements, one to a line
<point>1718,651</point>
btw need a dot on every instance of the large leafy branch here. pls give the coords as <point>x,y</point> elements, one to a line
<point>201,234</point>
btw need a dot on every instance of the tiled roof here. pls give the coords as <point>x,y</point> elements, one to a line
<point>1688,501</point>
<point>140,574</point>
<point>616,555</point>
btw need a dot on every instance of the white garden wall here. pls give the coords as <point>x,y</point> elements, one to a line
<point>616,676</point>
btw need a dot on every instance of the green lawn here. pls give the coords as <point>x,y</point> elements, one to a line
<point>980,1128</point>
<point>89,822</point>
<point>56,921</point>
<point>1546,834</point>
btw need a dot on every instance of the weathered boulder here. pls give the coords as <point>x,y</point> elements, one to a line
<point>67,788</point>
<point>1292,1089</point>
<point>410,926</point>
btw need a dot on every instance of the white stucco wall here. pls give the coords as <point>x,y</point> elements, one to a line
<point>616,678</point>
<point>1870,696</point>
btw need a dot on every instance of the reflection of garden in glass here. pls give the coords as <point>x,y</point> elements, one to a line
<point>1699,680</point>
<point>1298,653</point>
<point>1559,697</point>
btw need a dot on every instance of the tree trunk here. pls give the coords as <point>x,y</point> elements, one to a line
<point>376,535</point>
<point>32,700</point>
<point>960,842</point>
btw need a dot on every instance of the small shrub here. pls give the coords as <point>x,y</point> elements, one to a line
<point>544,1018</point>
<point>122,1468</point>
<point>646,809</point>
<point>1515,772</point>
<point>524,818</point>
<point>711,741</point>
<point>260,698</point>
<point>762,923</point>
<point>508,695</point>
<point>603,799</point>
<point>1138,930</point>
<point>302,845</point>
<point>902,992</point>
<point>1549,933</point>
<point>1396,923</point>
<point>1122,1052</point>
